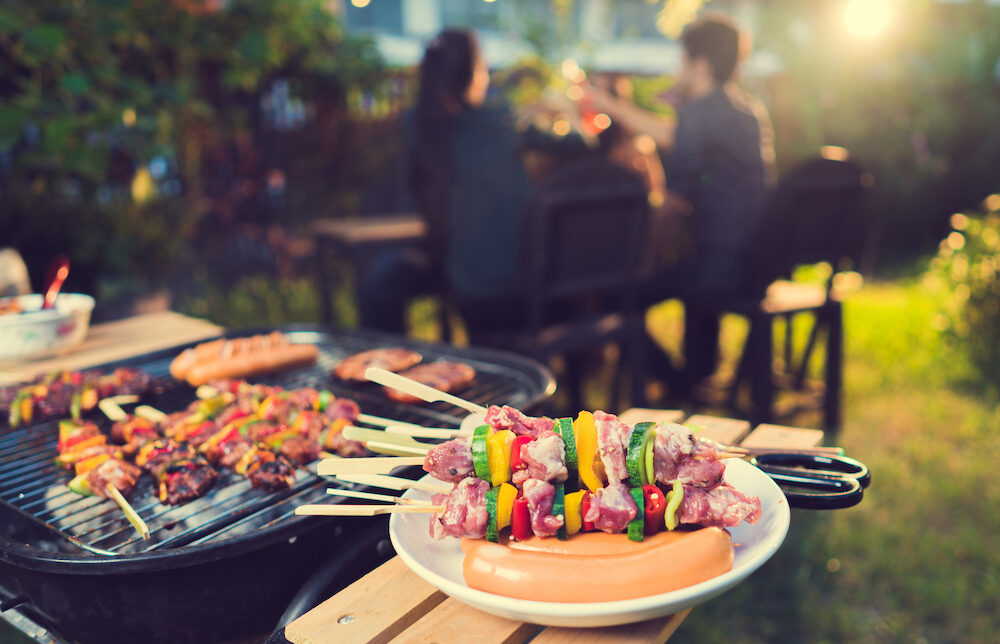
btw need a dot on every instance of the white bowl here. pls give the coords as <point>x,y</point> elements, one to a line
<point>35,333</point>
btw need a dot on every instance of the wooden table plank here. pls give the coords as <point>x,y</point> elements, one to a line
<point>453,621</point>
<point>653,631</point>
<point>372,230</point>
<point>727,431</point>
<point>780,437</point>
<point>640,415</point>
<point>376,608</point>
<point>119,340</point>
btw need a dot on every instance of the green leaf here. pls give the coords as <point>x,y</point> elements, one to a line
<point>10,21</point>
<point>74,83</point>
<point>57,132</point>
<point>254,47</point>
<point>44,38</point>
<point>12,122</point>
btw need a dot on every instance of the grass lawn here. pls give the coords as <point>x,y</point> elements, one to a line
<point>916,561</point>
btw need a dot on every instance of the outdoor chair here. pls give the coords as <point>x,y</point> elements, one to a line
<point>584,229</point>
<point>816,214</point>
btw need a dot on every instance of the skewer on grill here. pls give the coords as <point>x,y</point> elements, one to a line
<point>394,482</point>
<point>365,465</point>
<point>375,497</point>
<point>344,510</point>
<point>130,513</point>
<point>419,389</point>
<point>425,432</point>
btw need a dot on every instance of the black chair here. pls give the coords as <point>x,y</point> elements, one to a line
<point>583,238</point>
<point>816,214</point>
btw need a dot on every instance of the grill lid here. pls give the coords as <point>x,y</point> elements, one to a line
<point>33,487</point>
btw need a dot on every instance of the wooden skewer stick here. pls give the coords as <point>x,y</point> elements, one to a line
<point>205,392</point>
<point>130,513</point>
<point>425,432</point>
<point>418,389</point>
<point>375,465</point>
<point>124,399</point>
<point>152,414</point>
<point>393,445</point>
<point>111,409</point>
<point>395,482</point>
<point>375,497</point>
<point>378,421</point>
<point>344,510</point>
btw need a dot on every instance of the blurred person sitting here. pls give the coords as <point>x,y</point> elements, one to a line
<point>720,164</point>
<point>469,181</point>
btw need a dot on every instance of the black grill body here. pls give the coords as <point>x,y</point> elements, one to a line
<point>224,565</point>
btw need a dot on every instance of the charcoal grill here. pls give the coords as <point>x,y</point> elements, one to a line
<point>225,564</point>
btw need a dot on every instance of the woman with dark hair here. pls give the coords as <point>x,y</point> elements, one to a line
<point>469,181</point>
<point>466,170</point>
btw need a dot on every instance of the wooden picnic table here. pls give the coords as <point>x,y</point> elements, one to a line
<point>358,239</point>
<point>118,340</point>
<point>393,604</point>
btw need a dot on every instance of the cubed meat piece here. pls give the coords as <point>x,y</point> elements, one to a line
<point>612,508</point>
<point>545,457</point>
<point>450,461</point>
<point>612,444</point>
<point>505,417</point>
<point>540,496</point>
<point>723,506</point>
<point>464,513</point>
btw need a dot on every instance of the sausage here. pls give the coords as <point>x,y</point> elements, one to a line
<point>240,357</point>
<point>248,363</point>
<point>190,357</point>
<point>595,566</point>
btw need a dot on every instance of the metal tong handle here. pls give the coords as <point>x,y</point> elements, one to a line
<point>839,481</point>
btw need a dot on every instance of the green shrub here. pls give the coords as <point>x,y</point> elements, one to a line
<point>964,277</point>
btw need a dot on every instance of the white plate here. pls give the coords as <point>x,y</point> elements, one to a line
<point>440,564</point>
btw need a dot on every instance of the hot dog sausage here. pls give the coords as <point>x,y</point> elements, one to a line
<point>597,567</point>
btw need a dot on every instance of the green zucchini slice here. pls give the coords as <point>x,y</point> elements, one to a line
<point>634,460</point>
<point>492,533</point>
<point>480,453</point>
<point>564,427</point>
<point>637,526</point>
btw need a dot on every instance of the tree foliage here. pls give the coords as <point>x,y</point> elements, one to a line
<point>92,91</point>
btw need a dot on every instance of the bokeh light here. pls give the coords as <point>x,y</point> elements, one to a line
<point>866,19</point>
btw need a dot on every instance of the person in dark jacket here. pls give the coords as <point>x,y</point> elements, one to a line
<point>468,178</point>
<point>720,166</point>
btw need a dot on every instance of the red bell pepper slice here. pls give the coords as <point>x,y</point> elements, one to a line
<point>655,505</point>
<point>516,461</point>
<point>520,519</point>
<point>588,526</point>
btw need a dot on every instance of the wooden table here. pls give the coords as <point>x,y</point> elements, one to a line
<point>117,340</point>
<point>358,239</point>
<point>391,603</point>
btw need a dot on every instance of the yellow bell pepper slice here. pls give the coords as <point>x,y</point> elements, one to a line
<point>505,505</point>
<point>574,512</point>
<point>586,451</point>
<point>498,454</point>
<point>335,428</point>
<point>87,464</point>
